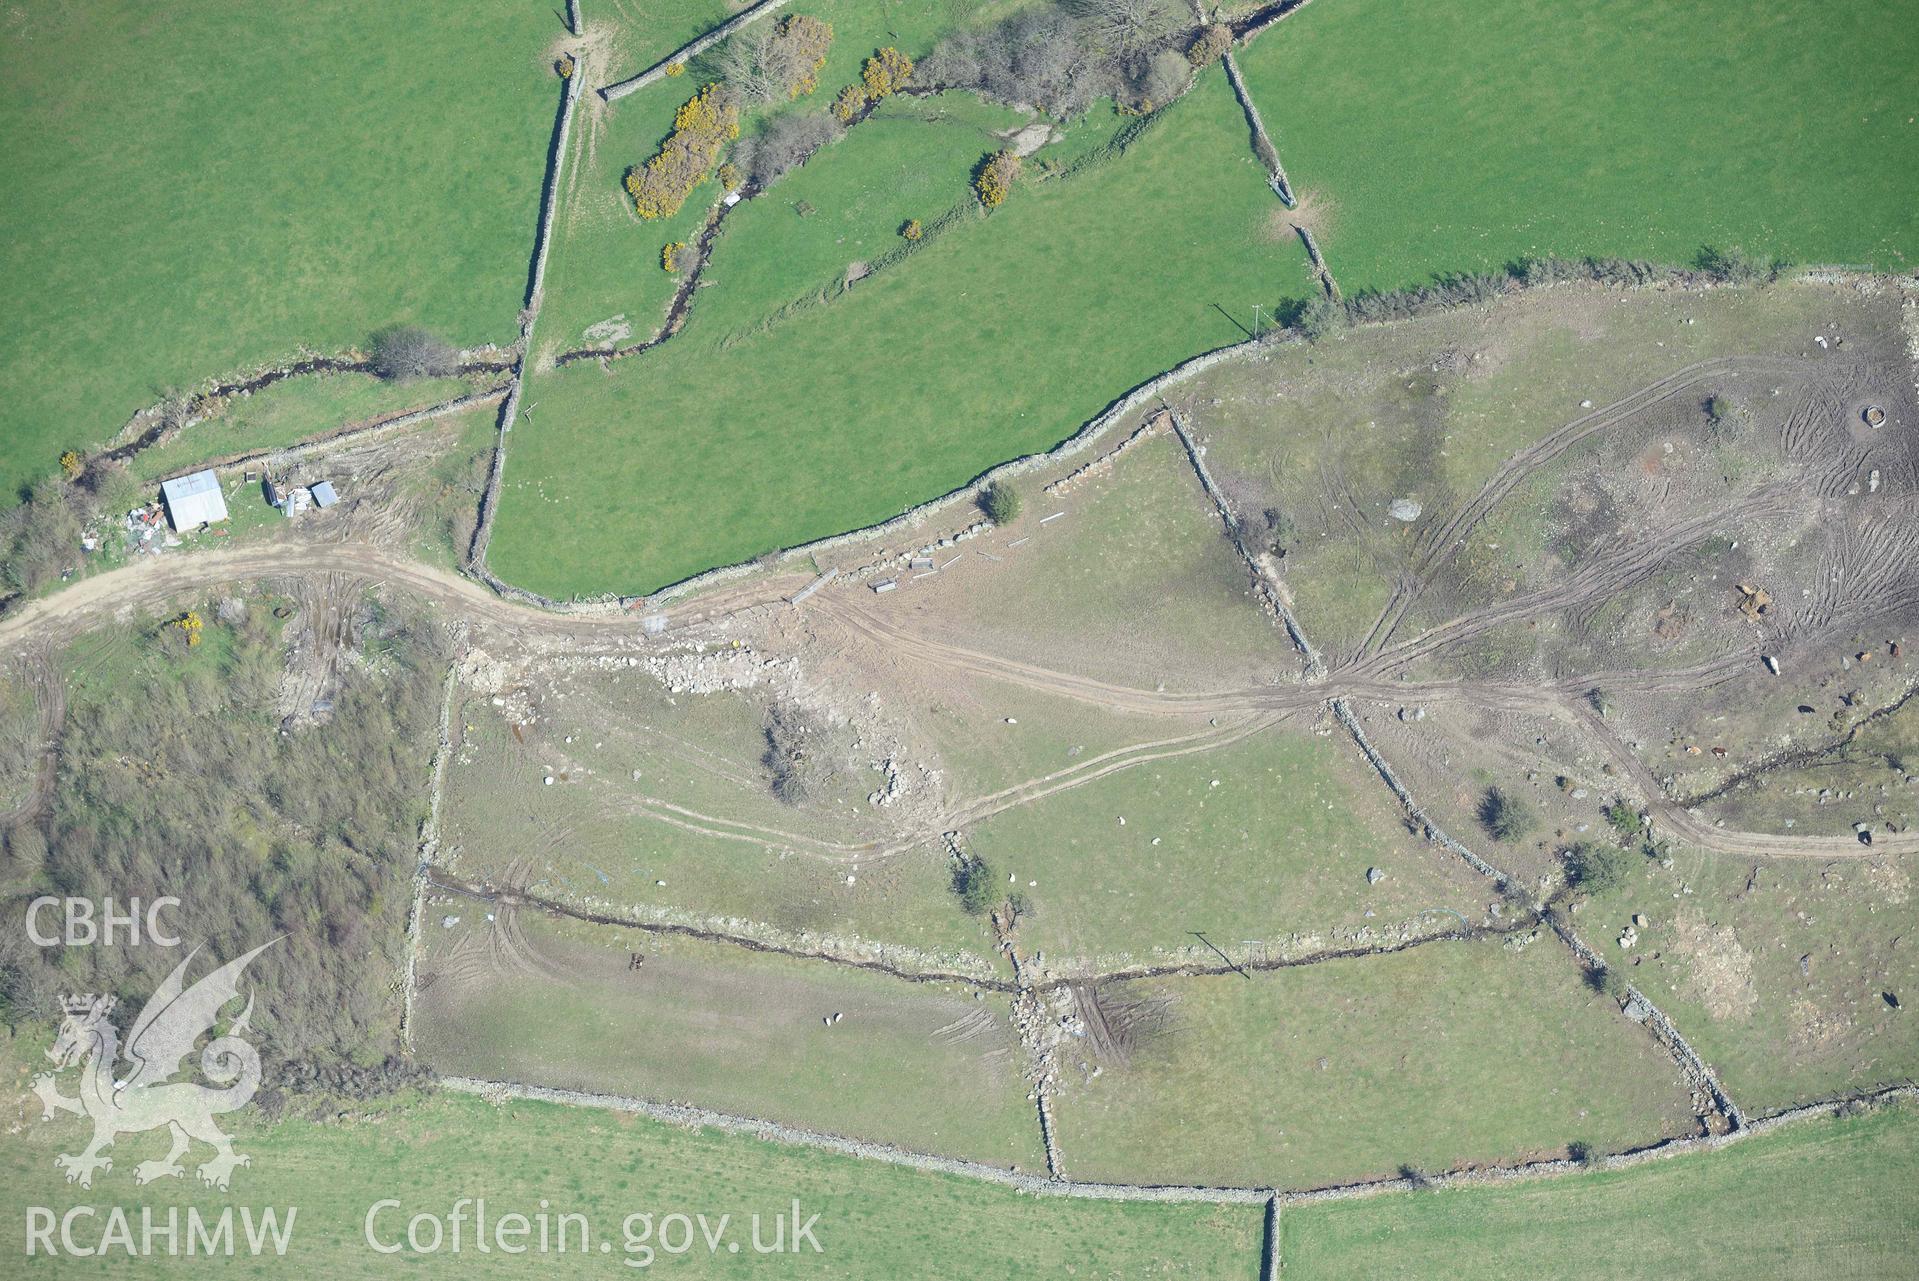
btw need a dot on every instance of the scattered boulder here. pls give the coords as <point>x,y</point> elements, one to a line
<point>1404,509</point>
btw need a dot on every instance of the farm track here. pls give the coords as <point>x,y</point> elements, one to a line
<point>1627,562</point>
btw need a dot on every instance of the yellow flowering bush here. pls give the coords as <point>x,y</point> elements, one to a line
<point>674,70</point>
<point>850,103</point>
<point>670,255</point>
<point>886,72</point>
<point>703,125</point>
<point>72,464</point>
<point>911,229</point>
<point>190,625</point>
<point>995,178</point>
<point>804,42</point>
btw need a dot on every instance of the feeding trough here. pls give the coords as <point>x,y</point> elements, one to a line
<point>1874,416</point>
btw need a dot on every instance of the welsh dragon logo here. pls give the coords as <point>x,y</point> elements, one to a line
<point>170,1024</point>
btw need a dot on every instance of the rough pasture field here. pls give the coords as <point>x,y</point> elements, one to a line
<point>876,1221</point>
<point>521,997</point>
<point>1769,1207</point>
<point>1263,842</point>
<point>1780,971</point>
<point>1869,768</point>
<point>1570,127</point>
<point>1051,676</point>
<point>302,179</point>
<point>878,394</point>
<point>698,837</point>
<point>1450,1054</point>
<point>1132,582</point>
<point>1432,412</point>
<point>1593,483</point>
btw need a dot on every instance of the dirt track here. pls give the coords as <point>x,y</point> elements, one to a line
<point>152,584</point>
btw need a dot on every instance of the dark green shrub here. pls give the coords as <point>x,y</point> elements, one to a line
<point>1504,818</point>
<point>1000,502</point>
<point>1595,869</point>
<point>976,885</point>
<point>1735,266</point>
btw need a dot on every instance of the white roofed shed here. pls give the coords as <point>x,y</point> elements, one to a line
<point>193,501</point>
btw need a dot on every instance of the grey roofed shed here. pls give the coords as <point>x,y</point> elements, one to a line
<point>323,495</point>
<point>193,501</point>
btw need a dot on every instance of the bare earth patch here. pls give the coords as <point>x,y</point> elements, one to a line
<point>1721,969</point>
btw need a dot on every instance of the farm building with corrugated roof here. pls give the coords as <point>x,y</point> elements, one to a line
<point>193,501</point>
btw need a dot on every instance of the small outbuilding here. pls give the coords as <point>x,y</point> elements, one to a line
<point>193,501</point>
<point>323,495</point>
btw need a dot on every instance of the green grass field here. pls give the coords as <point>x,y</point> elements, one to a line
<point>548,1002</point>
<point>644,31</point>
<point>605,262</point>
<point>1449,1054</point>
<point>1824,1200</point>
<point>692,448</point>
<point>847,204</point>
<point>292,411</point>
<point>201,189</point>
<point>877,1222</point>
<point>1454,137</point>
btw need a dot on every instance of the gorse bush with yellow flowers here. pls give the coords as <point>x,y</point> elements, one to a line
<point>190,625</point>
<point>702,126</point>
<point>803,42</point>
<point>886,73</point>
<point>849,104</point>
<point>995,177</point>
